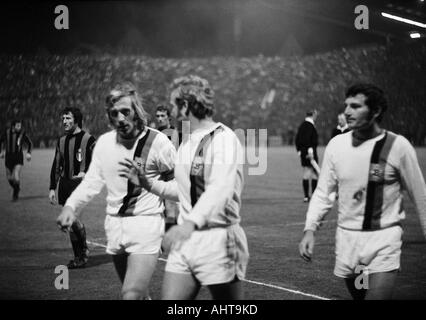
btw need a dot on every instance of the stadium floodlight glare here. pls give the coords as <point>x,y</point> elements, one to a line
<point>414,35</point>
<point>405,20</point>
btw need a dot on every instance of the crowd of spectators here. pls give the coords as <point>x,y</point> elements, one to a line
<point>37,88</point>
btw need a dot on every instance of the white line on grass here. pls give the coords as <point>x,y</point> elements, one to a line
<point>246,280</point>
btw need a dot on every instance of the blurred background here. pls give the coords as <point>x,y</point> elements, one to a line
<point>269,61</point>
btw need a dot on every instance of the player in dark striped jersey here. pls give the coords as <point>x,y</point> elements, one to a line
<point>72,158</point>
<point>13,140</point>
<point>369,167</point>
<point>134,222</point>
<point>162,122</point>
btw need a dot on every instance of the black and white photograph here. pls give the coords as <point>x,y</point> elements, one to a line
<point>249,150</point>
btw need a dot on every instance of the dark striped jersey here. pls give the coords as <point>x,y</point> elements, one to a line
<point>369,179</point>
<point>13,141</point>
<point>72,156</point>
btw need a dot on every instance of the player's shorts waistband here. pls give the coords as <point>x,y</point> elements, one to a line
<point>116,215</point>
<point>395,224</point>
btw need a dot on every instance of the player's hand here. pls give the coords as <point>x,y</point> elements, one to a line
<point>306,246</point>
<point>299,153</point>
<point>52,197</point>
<point>176,235</point>
<point>310,155</point>
<point>66,219</point>
<point>2,155</point>
<point>131,170</point>
<point>28,156</point>
<point>79,176</point>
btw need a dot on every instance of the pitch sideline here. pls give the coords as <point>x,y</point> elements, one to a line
<point>246,280</point>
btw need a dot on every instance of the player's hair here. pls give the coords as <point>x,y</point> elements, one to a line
<point>15,121</point>
<point>196,93</point>
<point>310,113</point>
<point>127,89</point>
<point>375,97</point>
<point>163,108</point>
<point>76,113</point>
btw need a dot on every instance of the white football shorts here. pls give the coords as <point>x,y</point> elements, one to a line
<point>212,256</point>
<point>369,251</point>
<point>135,234</point>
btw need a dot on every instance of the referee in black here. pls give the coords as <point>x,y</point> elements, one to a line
<point>13,140</point>
<point>72,158</point>
<point>306,146</point>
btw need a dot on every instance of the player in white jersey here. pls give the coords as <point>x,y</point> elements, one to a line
<point>208,247</point>
<point>134,223</point>
<point>369,167</point>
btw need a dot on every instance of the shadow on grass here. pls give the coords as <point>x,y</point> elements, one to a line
<point>98,260</point>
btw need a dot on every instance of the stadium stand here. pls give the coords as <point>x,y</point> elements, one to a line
<point>36,88</point>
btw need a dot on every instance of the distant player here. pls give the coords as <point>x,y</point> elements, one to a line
<point>72,159</point>
<point>162,123</point>
<point>306,146</point>
<point>208,247</point>
<point>342,126</point>
<point>134,223</point>
<point>11,145</point>
<point>162,118</point>
<point>371,167</point>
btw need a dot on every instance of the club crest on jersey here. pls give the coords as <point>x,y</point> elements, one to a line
<point>197,167</point>
<point>78,156</point>
<point>139,162</point>
<point>376,172</point>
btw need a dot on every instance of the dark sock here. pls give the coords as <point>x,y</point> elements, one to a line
<point>314,183</point>
<point>306,187</point>
<point>78,239</point>
<point>12,183</point>
<point>16,188</point>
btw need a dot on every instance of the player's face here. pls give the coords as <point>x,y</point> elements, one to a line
<point>357,113</point>
<point>68,122</point>
<point>122,116</point>
<point>18,126</point>
<point>162,119</point>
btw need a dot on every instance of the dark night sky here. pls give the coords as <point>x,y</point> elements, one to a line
<point>197,28</point>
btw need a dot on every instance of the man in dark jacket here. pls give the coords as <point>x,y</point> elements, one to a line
<point>306,146</point>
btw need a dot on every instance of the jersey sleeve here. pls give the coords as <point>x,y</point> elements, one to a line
<point>55,171</point>
<point>166,155</point>
<point>90,146</point>
<point>166,187</point>
<point>28,142</point>
<point>413,181</point>
<point>2,141</point>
